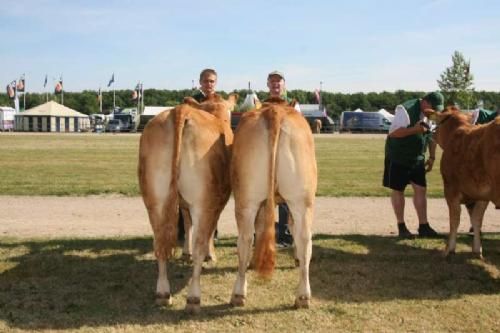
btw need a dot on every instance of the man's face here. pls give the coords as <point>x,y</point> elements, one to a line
<point>426,109</point>
<point>207,83</point>
<point>276,85</point>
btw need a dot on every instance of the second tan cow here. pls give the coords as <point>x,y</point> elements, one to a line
<point>184,159</point>
<point>273,161</point>
<point>470,167</point>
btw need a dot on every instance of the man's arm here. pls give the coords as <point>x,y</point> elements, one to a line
<point>432,156</point>
<point>399,127</point>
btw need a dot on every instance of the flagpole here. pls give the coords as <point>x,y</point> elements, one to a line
<point>114,99</point>
<point>100,100</point>
<point>24,93</point>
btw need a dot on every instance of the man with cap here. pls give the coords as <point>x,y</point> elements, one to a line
<point>405,162</point>
<point>277,89</point>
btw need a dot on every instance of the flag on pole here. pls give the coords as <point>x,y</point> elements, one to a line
<point>11,90</point>
<point>318,96</point>
<point>20,84</point>
<point>59,86</point>
<point>136,94</point>
<point>45,82</point>
<point>112,80</point>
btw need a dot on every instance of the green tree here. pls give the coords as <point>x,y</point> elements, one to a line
<point>457,82</point>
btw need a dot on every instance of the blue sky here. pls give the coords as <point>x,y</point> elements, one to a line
<point>351,46</point>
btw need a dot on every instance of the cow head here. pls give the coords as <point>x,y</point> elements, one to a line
<point>448,122</point>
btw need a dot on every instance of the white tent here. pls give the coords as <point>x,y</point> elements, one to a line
<point>52,117</point>
<point>389,116</point>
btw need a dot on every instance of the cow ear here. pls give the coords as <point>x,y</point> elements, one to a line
<point>191,101</point>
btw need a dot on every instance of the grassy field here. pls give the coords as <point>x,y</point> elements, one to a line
<point>47,164</point>
<point>359,284</point>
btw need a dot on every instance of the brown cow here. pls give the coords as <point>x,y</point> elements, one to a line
<point>470,167</point>
<point>273,161</point>
<point>184,160</point>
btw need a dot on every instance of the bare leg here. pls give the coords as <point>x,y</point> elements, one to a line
<point>420,202</point>
<point>398,204</point>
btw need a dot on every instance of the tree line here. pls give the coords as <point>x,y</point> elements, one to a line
<point>87,101</point>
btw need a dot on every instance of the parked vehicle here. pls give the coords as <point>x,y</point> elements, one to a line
<point>114,125</point>
<point>360,121</point>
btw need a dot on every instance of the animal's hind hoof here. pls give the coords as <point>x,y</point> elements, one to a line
<point>186,257</point>
<point>302,302</point>
<point>237,300</point>
<point>478,255</point>
<point>193,305</point>
<point>163,299</point>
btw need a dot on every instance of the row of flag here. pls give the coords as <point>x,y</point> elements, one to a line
<point>17,86</point>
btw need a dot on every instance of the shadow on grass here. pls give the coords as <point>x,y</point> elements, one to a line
<point>356,268</point>
<point>74,283</point>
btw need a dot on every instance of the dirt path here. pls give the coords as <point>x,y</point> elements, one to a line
<point>106,216</point>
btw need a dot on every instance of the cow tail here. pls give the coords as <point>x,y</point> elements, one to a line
<point>168,236</point>
<point>265,248</point>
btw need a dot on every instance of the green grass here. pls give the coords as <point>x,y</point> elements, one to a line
<point>359,284</point>
<point>80,165</point>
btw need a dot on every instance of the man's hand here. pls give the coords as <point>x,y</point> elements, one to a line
<point>421,127</point>
<point>429,164</point>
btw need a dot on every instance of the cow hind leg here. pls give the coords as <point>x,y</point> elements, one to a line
<point>302,221</point>
<point>159,223</point>
<point>163,296</point>
<point>201,236</point>
<point>477,220</point>
<point>187,248</point>
<point>245,218</point>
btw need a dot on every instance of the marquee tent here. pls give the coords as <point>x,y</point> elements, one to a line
<point>52,117</point>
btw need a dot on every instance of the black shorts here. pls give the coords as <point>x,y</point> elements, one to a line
<point>397,176</point>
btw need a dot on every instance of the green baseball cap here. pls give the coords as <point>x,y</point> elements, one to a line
<point>436,99</point>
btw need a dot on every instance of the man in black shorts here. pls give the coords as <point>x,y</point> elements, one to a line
<point>405,161</point>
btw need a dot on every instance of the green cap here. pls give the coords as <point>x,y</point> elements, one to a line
<point>436,99</point>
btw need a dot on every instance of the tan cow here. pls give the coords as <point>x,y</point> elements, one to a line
<point>317,126</point>
<point>273,161</point>
<point>184,160</point>
<point>470,167</point>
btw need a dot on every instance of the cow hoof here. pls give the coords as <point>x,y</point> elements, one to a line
<point>193,305</point>
<point>211,259</point>
<point>237,300</point>
<point>302,302</point>
<point>186,257</point>
<point>297,263</point>
<point>163,299</point>
<point>478,255</point>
